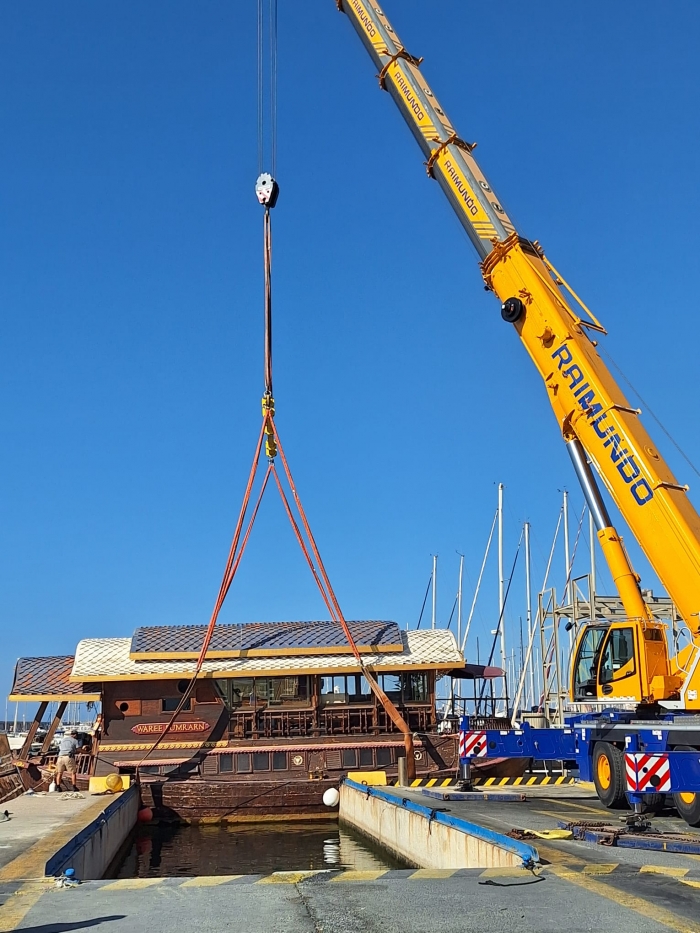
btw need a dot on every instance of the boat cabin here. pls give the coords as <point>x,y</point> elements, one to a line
<point>279,702</point>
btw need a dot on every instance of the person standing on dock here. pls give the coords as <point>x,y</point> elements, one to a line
<point>66,759</point>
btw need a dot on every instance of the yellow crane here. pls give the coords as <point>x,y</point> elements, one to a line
<point>615,661</point>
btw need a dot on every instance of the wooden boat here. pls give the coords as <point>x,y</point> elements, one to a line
<point>10,781</point>
<point>279,713</point>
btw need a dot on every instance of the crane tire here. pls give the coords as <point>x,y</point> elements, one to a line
<point>688,805</point>
<point>609,775</point>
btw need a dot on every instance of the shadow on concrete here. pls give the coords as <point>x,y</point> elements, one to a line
<point>67,927</point>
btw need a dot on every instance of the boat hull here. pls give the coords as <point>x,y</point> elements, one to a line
<point>206,801</point>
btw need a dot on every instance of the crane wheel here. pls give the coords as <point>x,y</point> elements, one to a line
<point>688,805</point>
<point>609,775</point>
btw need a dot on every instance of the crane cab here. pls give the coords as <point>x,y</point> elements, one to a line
<point>624,661</point>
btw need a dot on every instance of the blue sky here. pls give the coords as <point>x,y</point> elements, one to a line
<point>131,289</point>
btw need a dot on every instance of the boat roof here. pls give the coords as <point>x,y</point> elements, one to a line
<point>113,659</point>
<point>264,639</point>
<point>48,679</point>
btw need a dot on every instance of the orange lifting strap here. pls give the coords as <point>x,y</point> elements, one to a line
<point>267,191</point>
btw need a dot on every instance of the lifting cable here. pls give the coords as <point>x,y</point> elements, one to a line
<point>267,192</point>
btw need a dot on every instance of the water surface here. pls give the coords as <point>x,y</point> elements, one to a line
<point>173,850</point>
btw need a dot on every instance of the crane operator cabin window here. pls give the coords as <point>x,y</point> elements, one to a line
<point>618,656</point>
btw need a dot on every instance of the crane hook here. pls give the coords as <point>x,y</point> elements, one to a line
<point>267,190</point>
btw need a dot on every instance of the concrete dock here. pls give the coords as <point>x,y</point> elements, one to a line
<point>45,833</point>
<point>409,901</point>
<point>38,826</point>
<point>543,809</point>
<point>577,886</point>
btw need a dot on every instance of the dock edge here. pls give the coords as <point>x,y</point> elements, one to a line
<point>91,851</point>
<point>425,836</point>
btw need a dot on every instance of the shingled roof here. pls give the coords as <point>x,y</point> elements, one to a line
<point>108,659</point>
<point>264,639</point>
<point>47,679</point>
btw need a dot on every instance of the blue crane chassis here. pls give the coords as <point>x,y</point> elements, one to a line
<point>653,763</point>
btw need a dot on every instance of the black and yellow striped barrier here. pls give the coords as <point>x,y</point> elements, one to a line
<point>532,780</point>
<point>431,782</point>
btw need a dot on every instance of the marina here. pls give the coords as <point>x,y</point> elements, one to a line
<point>324,744</point>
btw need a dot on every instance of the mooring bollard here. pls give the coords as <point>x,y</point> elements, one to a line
<point>403,779</point>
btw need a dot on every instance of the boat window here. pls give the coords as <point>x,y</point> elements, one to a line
<point>345,688</point>
<point>268,689</point>
<point>272,691</point>
<point>358,689</point>
<point>384,755</point>
<point>243,765</point>
<point>391,685</point>
<point>366,757</point>
<point>294,688</point>
<point>618,656</point>
<point>225,763</point>
<point>349,757</point>
<point>334,689</point>
<point>170,704</point>
<point>279,761</point>
<point>415,687</point>
<point>261,761</point>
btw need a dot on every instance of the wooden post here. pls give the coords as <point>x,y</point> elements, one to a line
<point>24,752</point>
<point>55,723</point>
<point>315,704</point>
<point>431,697</point>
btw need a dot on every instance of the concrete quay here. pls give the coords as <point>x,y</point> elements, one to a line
<point>425,835</point>
<point>409,901</point>
<point>46,833</point>
<point>576,886</point>
<point>544,808</point>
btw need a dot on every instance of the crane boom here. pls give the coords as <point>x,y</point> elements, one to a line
<point>592,411</point>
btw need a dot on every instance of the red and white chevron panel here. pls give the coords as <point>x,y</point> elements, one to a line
<point>472,745</point>
<point>647,773</point>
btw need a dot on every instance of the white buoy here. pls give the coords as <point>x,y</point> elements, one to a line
<point>331,797</point>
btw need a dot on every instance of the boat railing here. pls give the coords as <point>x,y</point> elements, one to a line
<point>270,723</point>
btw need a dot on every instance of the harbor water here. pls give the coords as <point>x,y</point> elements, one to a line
<point>181,850</point>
